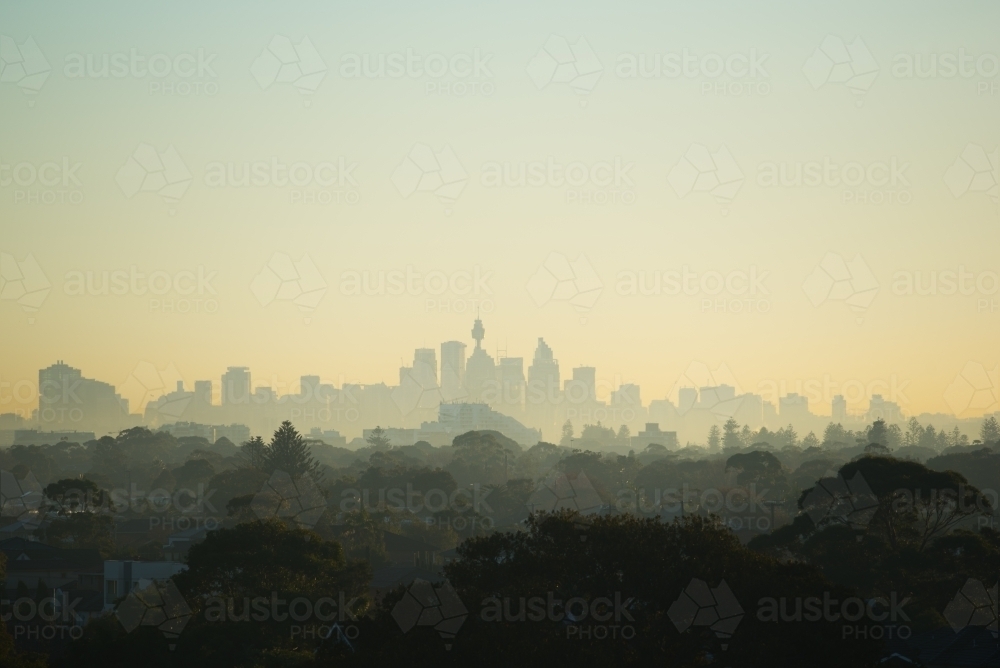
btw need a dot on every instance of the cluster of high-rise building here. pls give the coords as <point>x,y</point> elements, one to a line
<point>432,398</point>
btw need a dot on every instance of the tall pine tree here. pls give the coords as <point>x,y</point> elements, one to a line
<point>288,452</point>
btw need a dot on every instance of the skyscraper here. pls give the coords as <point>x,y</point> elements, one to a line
<point>544,392</point>
<point>880,409</point>
<point>510,374</point>
<point>67,399</point>
<point>480,372</point>
<point>236,385</point>
<point>543,374</point>
<point>309,388</point>
<point>420,380</point>
<point>426,360</point>
<point>687,397</point>
<point>793,406</point>
<point>628,395</point>
<point>584,383</point>
<point>839,409</point>
<point>203,392</point>
<point>452,370</point>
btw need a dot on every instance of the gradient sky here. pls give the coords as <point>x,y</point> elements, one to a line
<point>919,342</point>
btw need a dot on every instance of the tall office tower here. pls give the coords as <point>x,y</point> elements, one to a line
<point>750,410</point>
<point>687,397</point>
<point>203,392</point>
<point>627,396</point>
<point>585,379</point>
<point>423,371</point>
<point>236,385</point>
<point>480,371</point>
<point>880,409</point>
<point>793,406</point>
<point>57,383</point>
<point>544,394</point>
<point>452,370</point>
<point>308,388</point>
<point>839,409</point>
<point>66,398</point>
<point>543,375</point>
<point>710,396</point>
<point>510,374</point>
<point>425,363</point>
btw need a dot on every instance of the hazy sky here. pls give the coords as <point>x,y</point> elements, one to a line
<point>672,164</point>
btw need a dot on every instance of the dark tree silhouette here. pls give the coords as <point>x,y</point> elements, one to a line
<point>288,452</point>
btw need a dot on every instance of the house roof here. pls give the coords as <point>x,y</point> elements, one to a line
<point>21,525</point>
<point>18,543</point>
<point>28,555</point>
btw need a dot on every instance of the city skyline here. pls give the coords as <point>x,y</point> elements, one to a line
<point>850,232</point>
<point>669,317</point>
<point>539,394</point>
